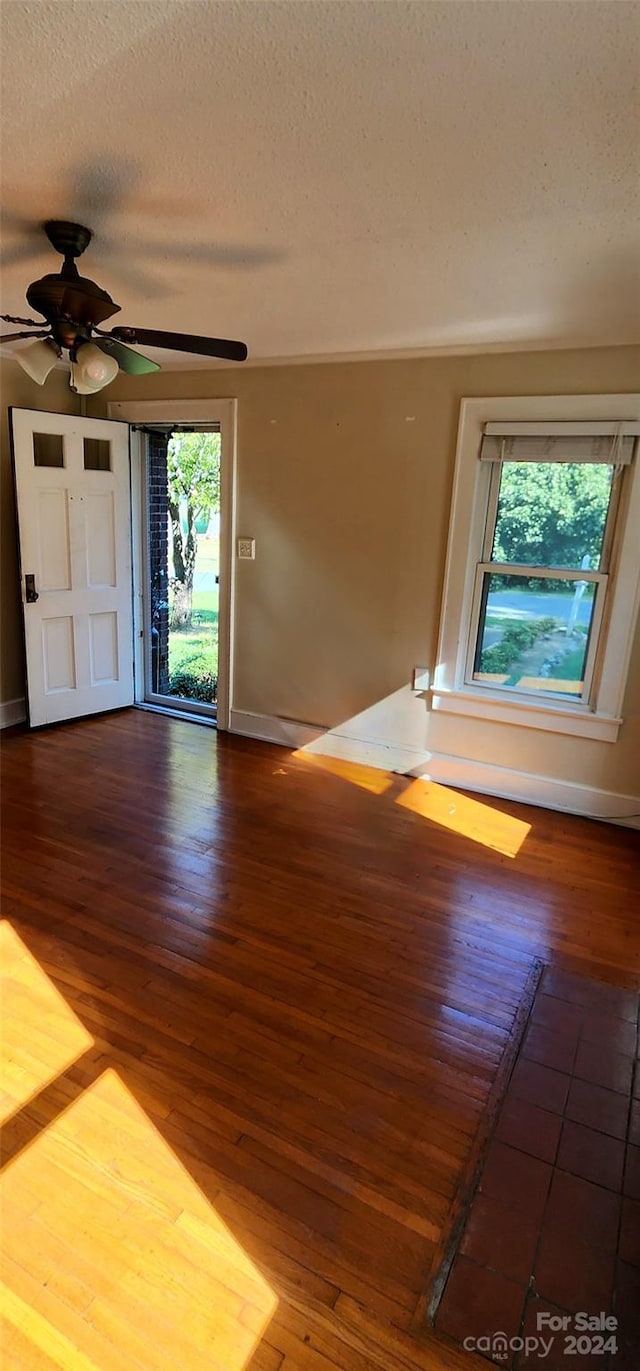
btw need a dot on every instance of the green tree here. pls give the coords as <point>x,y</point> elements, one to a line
<point>193,484</point>
<point>552,514</point>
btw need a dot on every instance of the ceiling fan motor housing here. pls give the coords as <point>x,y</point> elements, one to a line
<point>71,303</point>
<point>72,300</point>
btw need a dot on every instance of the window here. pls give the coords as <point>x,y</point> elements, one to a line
<point>542,583</point>
<point>97,454</point>
<point>48,450</point>
<point>541,586</point>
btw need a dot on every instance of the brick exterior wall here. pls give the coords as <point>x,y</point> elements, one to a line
<point>159,561</point>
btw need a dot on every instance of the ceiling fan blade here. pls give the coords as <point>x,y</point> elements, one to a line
<point>183,342</point>
<point>133,363</point>
<point>22,252</point>
<point>230,256</point>
<point>13,337</point>
<point>134,278</point>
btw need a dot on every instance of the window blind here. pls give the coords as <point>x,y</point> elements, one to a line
<point>609,442</point>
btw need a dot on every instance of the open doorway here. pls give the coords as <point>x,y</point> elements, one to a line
<point>182,575</point>
<point>153,424</point>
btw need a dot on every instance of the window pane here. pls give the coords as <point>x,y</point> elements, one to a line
<point>533,639</point>
<point>552,513</point>
<point>97,454</point>
<point>48,450</point>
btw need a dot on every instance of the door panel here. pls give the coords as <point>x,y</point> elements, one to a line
<point>103,647</point>
<point>58,655</point>
<point>54,544</point>
<point>100,540</point>
<point>74,521</point>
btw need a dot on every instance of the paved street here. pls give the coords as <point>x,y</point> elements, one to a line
<point>523,604</point>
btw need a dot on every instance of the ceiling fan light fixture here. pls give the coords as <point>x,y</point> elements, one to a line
<point>37,360</point>
<point>73,306</point>
<point>92,369</point>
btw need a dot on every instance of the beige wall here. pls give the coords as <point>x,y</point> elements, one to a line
<point>344,480</point>
<point>17,389</point>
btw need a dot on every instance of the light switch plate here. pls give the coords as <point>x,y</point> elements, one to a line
<point>247,549</point>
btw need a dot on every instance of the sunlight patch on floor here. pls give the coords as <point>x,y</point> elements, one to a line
<point>40,1034</point>
<point>120,1253</point>
<point>113,1258</point>
<point>365,777</point>
<point>28,1340</point>
<point>473,819</point>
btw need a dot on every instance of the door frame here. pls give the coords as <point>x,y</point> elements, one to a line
<point>224,413</point>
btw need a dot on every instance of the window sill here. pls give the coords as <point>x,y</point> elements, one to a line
<point>547,718</point>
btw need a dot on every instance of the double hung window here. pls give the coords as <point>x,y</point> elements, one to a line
<point>541,583</point>
<point>543,568</point>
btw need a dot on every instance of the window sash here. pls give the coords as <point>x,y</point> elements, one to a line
<point>491,519</point>
<point>600,580</point>
<point>488,567</point>
<point>550,573</point>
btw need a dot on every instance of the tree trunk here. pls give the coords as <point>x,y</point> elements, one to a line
<point>181,608</point>
<point>184,561</point>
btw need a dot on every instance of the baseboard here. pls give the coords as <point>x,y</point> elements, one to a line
<point>12,712</point>
<point>547,792</point>
<point>385,755</point>
<point>269,728</point>
<point>460,772</point>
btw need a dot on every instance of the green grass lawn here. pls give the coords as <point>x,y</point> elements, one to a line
<point>501,621</point>
<point>195,650</point>
<point>571,668</point>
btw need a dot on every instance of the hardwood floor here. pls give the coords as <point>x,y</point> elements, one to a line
<point>255,1006</point>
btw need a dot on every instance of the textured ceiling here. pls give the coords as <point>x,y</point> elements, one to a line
<point>323,177</point>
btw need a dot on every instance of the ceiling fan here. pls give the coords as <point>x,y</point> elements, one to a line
<point>73,307</point>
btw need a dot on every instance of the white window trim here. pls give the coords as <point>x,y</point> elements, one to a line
<point>600,721</point>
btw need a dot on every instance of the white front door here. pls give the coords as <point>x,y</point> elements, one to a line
<point>74,525</point>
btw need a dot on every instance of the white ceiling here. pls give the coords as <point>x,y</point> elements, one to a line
<point>322,177</point>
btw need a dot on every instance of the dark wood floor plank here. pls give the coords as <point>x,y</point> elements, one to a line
<point>303,988</point>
